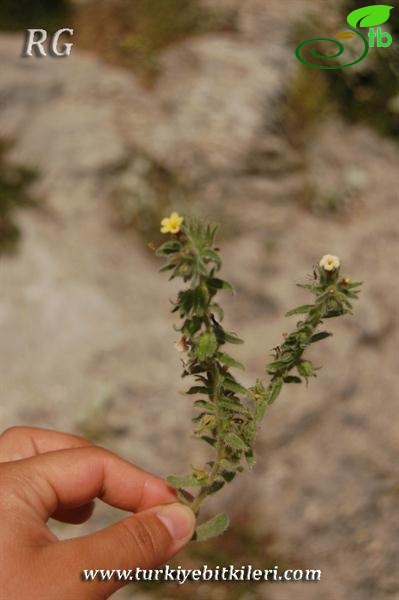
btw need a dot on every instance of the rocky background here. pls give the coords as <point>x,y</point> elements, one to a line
<point>215,118</point>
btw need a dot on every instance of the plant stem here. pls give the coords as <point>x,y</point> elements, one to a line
<point>204,491</point>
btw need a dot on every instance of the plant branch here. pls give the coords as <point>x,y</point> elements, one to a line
<point>230,414</point>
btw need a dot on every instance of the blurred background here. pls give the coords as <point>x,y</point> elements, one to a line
<point>202,107</point>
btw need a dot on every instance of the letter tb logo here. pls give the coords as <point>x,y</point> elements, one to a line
<point>366,17</point>
<point>35,43</point>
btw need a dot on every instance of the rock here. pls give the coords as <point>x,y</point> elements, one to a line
<point>213,97</point>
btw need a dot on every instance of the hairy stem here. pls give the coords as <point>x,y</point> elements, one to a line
<point>204,490</point>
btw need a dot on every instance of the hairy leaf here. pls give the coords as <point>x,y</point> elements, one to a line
<point>234,441</point>
<point>170,247</point>
<point>218,310</point>
<point>205,405</point>
<point>320,336</point>
<point>233,386</point>
<point>198,389</point>
<point>232,405</point>
<point>229,361</point>
<point>292,379</point>
<point>306,369</point>
<point>220,284</point>
<point>211,255</point>
<point>299,310</point>
<point>228,476</point>
<point>232,338</point>
<point>207,345</point>
<point>275,389</point>
<point>212,528</point>
<point>177,481</point>
<point>228,465</point>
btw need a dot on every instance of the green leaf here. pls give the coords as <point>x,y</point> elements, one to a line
<point>319,336</point>
<point>177,481</point>
<point>191,326</point>
<point>292,379</point>
<point>228,476</point>
<point>218,310</point>
<point>331,313</point>
<point>194,369</point>
<point>232,405</point>
<point>276,365</point>
<point>209,440</point>
<point>193,300</point>
<point>220,284</point>
<point>212,528</point>
<point>299,310</point>
<point>275,389</point>
<point>260,409</point>
<point>369,16</point>
<point>215,486</point>
<point>234,441</point>
<point>305,286</point>
<point>234,386</point>
<point>250,458</point>
<point>207,345</point>
<point>205,421</point>
<point>211,255</point>
<point>186,301</point>
<point>170,247</point>
<point>167,268</point>
<point>198,389</point>
<point>353,295</point>
<point>184,496</point>
<point>354,284</point>
<point>229,466</point>
<point>231,338</point>
<point>229,361</point>
<point>205,405</point>
<point>306,369</point>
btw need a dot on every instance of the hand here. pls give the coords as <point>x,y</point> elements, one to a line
<point>47,474</point>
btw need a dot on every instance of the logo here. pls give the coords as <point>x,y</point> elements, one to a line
<point>368,16</point>
<point>36,41</point>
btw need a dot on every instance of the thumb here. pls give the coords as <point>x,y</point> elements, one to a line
<point>146,540</point>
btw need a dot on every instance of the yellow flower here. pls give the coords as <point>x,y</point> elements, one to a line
<point>329,262</point>
<point>172,224</point>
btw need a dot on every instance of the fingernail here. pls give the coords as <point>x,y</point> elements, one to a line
<point>178,519</point>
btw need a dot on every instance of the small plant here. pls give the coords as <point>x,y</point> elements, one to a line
<point>229,413</point>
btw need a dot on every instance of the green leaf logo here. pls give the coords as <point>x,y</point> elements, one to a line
<point>369,16</point>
